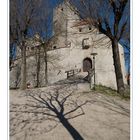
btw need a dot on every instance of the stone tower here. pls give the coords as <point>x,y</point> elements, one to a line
<point>63,18</point>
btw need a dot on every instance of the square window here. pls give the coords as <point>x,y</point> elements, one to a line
<point>89,28</point>
<point>80,29</point>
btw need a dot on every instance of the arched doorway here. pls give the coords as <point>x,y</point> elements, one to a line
<point>87,64</point>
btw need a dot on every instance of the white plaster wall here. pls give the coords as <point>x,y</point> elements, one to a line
<point>104,68</point>
<point>73,59</point>
<point>121,50</point>
<point>56,69</point>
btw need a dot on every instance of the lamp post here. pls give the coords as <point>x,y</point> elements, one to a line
<point>93,70</point>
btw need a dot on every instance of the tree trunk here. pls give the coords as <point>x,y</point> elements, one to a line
<point>46,67</point>
<point>74,133</point>
<point>38,68</point>
<point>117,66</point>
<point>23,67</point>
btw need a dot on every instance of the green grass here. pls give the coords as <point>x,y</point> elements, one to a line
<point>111,92</point>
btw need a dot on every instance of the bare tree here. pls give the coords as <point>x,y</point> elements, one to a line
<point>23,15</point>
<point>45,30</point>
<point>37,55</point>
<point>17,76</point>
<point>110,17</point>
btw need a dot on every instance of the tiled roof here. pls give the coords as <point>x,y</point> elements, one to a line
<point>82,22</point>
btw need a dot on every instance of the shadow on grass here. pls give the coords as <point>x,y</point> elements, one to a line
<point>111,92</point>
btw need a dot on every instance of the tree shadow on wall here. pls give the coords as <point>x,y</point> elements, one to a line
<point>58,105</point>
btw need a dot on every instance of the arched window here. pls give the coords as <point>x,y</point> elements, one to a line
<point>87,64</point>
<point>89,27</point>
<point>54,47</point>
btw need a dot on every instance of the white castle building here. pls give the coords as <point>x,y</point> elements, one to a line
<point>76,49</point>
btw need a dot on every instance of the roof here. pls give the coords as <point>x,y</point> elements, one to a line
<point>82,22</point>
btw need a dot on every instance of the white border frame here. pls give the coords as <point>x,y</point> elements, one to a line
<point>135,67</point>
<point>135,70</point>
<point>4,111</point>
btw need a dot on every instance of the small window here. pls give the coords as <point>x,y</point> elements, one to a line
<point>32,48</point>
<point>61,9</point>
<point>54,47</point>
<point>80,29</point>
<point>89,28</point>
<point>85,43</point>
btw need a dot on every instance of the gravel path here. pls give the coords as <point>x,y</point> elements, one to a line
<point>54,112</point>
